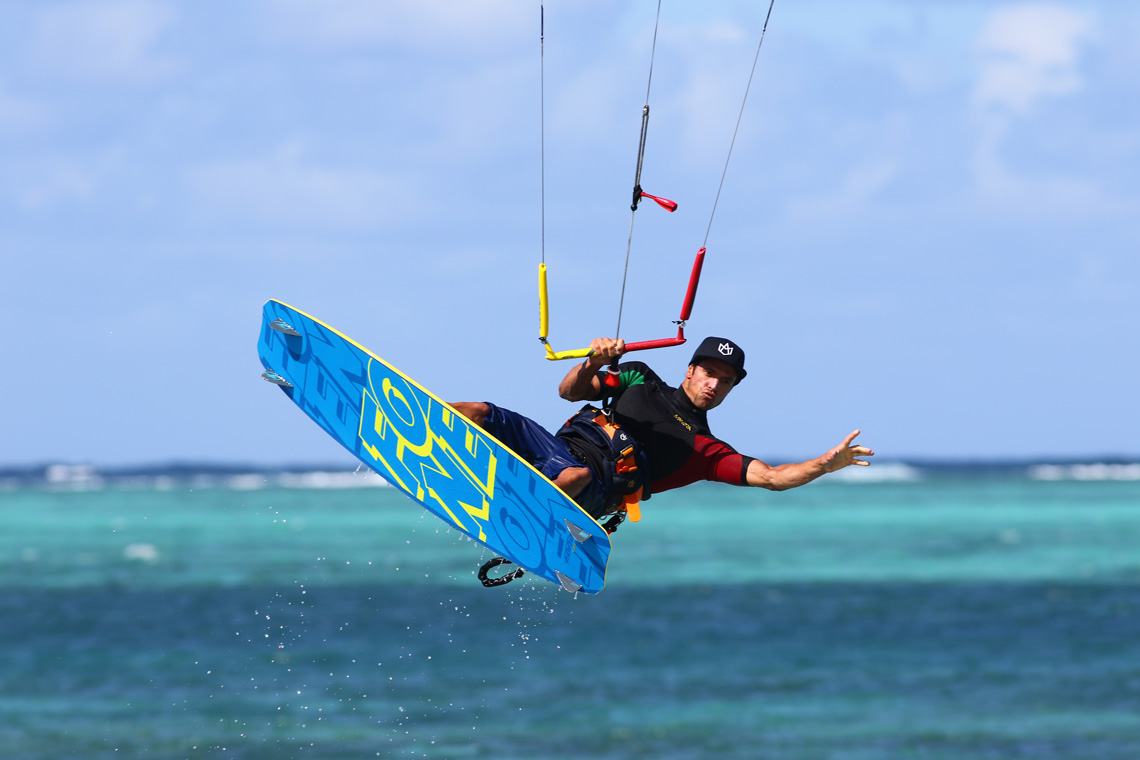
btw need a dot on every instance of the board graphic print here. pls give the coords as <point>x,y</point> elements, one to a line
<point>415,441</point>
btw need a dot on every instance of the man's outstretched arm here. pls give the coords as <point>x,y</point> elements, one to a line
<point>785,476</point>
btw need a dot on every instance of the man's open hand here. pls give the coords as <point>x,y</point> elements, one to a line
<point>846,454</point>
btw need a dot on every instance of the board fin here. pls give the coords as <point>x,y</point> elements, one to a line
<point>579,535</point>
<point>568,584</point>
<point>280,325</point>
<point>276,379</point>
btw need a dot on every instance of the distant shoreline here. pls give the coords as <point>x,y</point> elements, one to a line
<point>71,476</point>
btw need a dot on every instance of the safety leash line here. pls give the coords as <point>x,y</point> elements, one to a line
<point>637,174</point>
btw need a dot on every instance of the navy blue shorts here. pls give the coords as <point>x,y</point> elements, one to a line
<point>548,453</point>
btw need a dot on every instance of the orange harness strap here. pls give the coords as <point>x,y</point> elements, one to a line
<point>626,465</point>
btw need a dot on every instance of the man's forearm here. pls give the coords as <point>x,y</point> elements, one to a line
<point>579,382</point>
<point>784,476</point>
<point>582,382</point>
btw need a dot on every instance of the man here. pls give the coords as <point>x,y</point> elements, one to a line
<point>669,426</point>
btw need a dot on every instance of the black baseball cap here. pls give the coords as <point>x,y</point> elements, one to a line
<point>724,350</point>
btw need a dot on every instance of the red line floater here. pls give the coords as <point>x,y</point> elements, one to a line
<point>686,310</point>
<point>694,279</point>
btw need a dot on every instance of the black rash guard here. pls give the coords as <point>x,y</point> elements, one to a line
<point>673,433</point>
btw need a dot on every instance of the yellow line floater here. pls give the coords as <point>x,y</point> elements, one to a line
<point>544,323</point>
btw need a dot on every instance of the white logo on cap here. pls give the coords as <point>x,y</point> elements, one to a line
<point>725,348</point>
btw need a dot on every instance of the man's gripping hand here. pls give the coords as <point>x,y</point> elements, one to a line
<point>605,351</point>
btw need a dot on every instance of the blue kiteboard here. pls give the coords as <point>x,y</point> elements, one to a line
<point>415,441</point>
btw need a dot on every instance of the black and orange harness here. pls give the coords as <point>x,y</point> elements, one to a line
<point>615,458</point>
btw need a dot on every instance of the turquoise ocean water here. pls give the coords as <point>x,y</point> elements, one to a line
<point>949,616</point>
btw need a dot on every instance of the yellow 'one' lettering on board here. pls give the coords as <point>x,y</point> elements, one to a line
<point>429,451</point>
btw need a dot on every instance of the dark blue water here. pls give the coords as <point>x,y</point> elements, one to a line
<point>235,636</point>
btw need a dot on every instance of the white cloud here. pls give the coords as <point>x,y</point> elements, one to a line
<point>44,184</point>
<point>20,114</point>
<point>340,22</point>
<point>1002,191</point>
<point>286,189</point>
<point>1030,52</point>
<point>859,190</point>
<point>103,41</point>
<point>716,59</point>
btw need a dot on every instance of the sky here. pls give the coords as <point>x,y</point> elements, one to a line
<point>928,228</point>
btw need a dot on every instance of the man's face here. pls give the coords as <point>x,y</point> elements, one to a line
<point>707,383</point>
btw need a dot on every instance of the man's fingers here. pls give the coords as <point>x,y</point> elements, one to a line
<point>607,347</point>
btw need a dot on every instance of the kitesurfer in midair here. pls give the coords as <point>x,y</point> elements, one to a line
<point>669,425</point>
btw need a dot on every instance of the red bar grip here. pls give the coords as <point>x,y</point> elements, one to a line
<point>646,344</point>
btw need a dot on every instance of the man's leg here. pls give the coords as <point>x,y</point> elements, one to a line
<point>476,411</point>
<point>571,479</point>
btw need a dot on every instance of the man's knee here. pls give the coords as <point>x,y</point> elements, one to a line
<point>476,411</point>
<point>573,480</point>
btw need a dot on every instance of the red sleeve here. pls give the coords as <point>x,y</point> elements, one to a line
<point>724,464</point>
